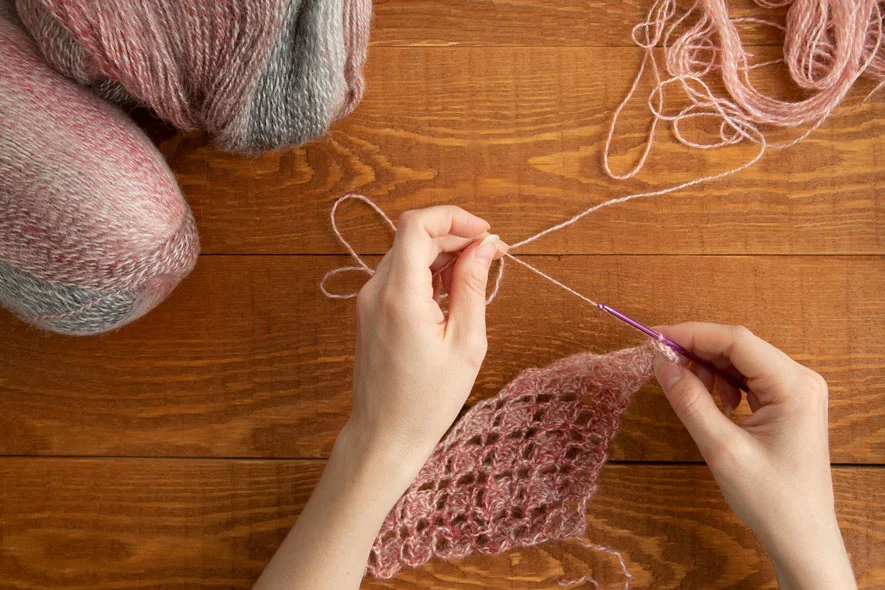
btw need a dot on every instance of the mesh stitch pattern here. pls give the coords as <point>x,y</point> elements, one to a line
<point>519,468</point>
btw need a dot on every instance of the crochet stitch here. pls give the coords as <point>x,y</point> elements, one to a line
<point>94,231</point>
<point>517,469</point>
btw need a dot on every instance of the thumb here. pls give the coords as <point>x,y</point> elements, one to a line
<point>467,297</point>
<point>694,405</point>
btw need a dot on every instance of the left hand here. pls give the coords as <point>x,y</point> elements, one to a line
<point>414,369</point>
<point>414,366</point>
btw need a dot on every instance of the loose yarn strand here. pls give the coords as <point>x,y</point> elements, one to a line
<point>815,62</point>
<point>656,193</point>
<point>546,276</point>
<point>363,267</point>
<point>814,59</point>
<point>588,579</point>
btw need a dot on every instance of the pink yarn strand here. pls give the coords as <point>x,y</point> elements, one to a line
<point>656,193</point>
<point>588,579</point>
<point>549,278</point>
<point>363,267</point>
<point>829,45</point>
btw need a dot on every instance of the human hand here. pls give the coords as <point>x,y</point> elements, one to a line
<point>415,366</point>
<point>774,466</point>
<point>414,369</point>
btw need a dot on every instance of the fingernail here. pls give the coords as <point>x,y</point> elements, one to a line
<point>487,250</point>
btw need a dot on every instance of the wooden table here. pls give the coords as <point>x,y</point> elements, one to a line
<point>177,452</point>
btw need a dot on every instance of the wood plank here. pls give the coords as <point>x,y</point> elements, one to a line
<point>247,358</point>
<point>102,524</point>
<point>515,135</point>
<point>583,23</point>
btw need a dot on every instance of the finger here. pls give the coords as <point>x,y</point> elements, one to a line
<point>447,275</point>
<point>467,303</point>
<point>693,405</point>
<point>769,371</point>
<point>706,376</point>
<point>450,246</point>
<point>415,245</point>
<point>730,396</point>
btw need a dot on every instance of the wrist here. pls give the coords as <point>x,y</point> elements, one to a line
<point>813,561</point>
<point>386,471</point>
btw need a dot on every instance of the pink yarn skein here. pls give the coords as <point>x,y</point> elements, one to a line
<point>829,45</point>
<point>255,74</point>
<point>94,231</point>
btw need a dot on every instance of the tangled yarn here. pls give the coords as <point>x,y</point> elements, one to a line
<point>94,231</point>
<point>256,74</point>
<point>828,46</point>
<point>518,469</point>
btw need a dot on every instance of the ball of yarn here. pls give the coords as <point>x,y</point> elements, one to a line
<point>255,74</point>
<point>94,231</point>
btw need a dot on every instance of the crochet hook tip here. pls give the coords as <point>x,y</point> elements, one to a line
<point>675,346</point>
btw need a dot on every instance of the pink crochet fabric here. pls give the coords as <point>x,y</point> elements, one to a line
<point>518,469</point>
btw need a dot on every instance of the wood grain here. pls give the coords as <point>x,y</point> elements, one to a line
<point>248,359</point>
<point>515,135</point>
<point>573,23</point>
<point>101,524</point>
<point>203,427</point>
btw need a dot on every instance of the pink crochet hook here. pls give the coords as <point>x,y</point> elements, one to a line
<point>679,349</point>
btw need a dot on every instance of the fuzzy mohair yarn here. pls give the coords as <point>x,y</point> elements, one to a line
<point>255,74</point>
<point>94,231</point>
<point>518,469</point>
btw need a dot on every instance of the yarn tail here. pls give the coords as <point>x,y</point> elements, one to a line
<point>588,579</point>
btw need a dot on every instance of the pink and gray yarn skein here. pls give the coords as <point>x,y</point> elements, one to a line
<point>94,231</point>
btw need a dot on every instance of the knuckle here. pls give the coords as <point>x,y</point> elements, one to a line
<point>741,332</point>
<point>686,399</point>
<point>476,283</point>
<point>456,211</point>
<point>726,455</point>
<point>389,303</point>
<point>408,218</point>
<point>814,385</point>
<point>475,351</point>
<point>365,299</point>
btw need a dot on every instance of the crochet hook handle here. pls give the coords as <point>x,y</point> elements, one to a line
<point>675,346</point>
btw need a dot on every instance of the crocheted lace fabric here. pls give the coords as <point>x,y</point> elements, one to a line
<point>517,469</point>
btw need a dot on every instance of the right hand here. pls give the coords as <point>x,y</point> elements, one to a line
<point>774,466</point>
